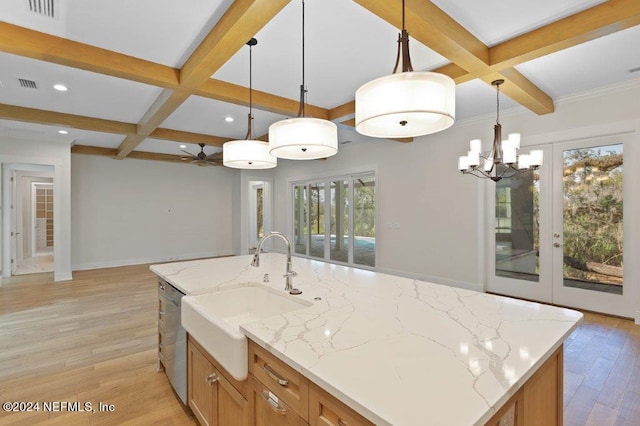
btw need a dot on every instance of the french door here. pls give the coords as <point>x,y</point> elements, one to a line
<point>557,235</point>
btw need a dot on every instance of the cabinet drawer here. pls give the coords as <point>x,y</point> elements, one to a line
<point>270,410</point>
<point>288,385</point>
<point>327,410</point>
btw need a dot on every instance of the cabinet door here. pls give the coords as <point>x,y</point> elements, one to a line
<point>202,389</point>
<point>233,409</point>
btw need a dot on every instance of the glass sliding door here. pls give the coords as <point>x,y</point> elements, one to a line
<point>364,224</point>
<point>339,241</point>
<point>300,220</point>
<point>316,219</point>
<point>334,219</point>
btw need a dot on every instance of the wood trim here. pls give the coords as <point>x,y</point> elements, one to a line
<point>36,45</point>
<point>32,115</point>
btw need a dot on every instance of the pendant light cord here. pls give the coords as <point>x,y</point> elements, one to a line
<point>497,104</point>
<point>303,89</point>
<point>403,49</point>
<point>249,135</point>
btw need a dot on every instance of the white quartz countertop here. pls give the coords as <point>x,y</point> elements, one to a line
<point>398,351</point>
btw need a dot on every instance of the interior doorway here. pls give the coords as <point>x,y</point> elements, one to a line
<point>32,220</point>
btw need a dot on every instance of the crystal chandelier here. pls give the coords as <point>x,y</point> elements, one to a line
<point>303,138</point>
<point>248,153</point>
<point>406,103</point>
<point>503,161</point>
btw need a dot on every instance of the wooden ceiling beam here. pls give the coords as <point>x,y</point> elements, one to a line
<point>240,22</point>
<point>239,95</point>
<point>53,118</point>
<point>434,28</point>
<point>188,137</point>
<point>139,155</point>
<point>598,21</point>
<point>44,47</point>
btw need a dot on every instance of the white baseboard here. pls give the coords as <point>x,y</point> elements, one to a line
<point>140,261</point>
<point>62,276</point>
<point>432,279</point>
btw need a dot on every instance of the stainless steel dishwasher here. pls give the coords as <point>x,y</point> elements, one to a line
<point>172,338</point>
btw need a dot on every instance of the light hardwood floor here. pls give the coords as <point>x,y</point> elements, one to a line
<point>93,339</point>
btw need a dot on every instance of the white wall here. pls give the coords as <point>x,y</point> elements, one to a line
<point>136,211</point>
<point>17,154</point>
<point>441,212</point>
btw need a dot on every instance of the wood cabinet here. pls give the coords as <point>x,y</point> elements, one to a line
<point>539,400</point>
<point>214,400</point>
<point>277,395</point>
<point>326,410</point>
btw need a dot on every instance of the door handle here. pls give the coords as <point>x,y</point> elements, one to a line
<point>557,244</point>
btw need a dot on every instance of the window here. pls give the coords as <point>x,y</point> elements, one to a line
<point>334,219</point>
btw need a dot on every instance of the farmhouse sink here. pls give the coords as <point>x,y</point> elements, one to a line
<point>214,320</point>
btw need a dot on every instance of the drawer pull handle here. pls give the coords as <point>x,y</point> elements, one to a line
<point>341,423</point>
<point>275,405</point>
<point>211,378</point>
<point>160,313</point>
<point>275,376</point>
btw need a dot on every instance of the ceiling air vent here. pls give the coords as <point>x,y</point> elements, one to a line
<point>28,84</point>
<point>43,7</point>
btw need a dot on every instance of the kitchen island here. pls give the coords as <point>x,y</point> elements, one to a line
<point>395,350</point>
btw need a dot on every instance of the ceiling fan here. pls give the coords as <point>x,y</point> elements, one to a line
<point>202,159</point>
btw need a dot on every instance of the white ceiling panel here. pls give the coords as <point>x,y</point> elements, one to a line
<point>162,31</point>
<point>345,46</point>
<point>202,115</point>
<point>77,137</point>
<point>89,94</point>
<point>590,65</point>
<point>493,21</point>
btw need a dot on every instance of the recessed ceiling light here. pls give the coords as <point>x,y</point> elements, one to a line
<point>60,87</point>
<point>183,146</point>
<point>63,132</point>
<point>229,119</point>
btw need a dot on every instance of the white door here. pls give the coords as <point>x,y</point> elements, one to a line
<point>559,234</point>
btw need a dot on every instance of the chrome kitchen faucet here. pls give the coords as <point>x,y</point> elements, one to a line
<point>290,273</point>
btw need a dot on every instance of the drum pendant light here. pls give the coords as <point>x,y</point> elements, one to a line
<point>407,103</point>
<point>248,153</point>
<point>303,138</point>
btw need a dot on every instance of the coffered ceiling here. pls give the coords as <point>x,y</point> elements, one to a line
<point>146,75</point>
